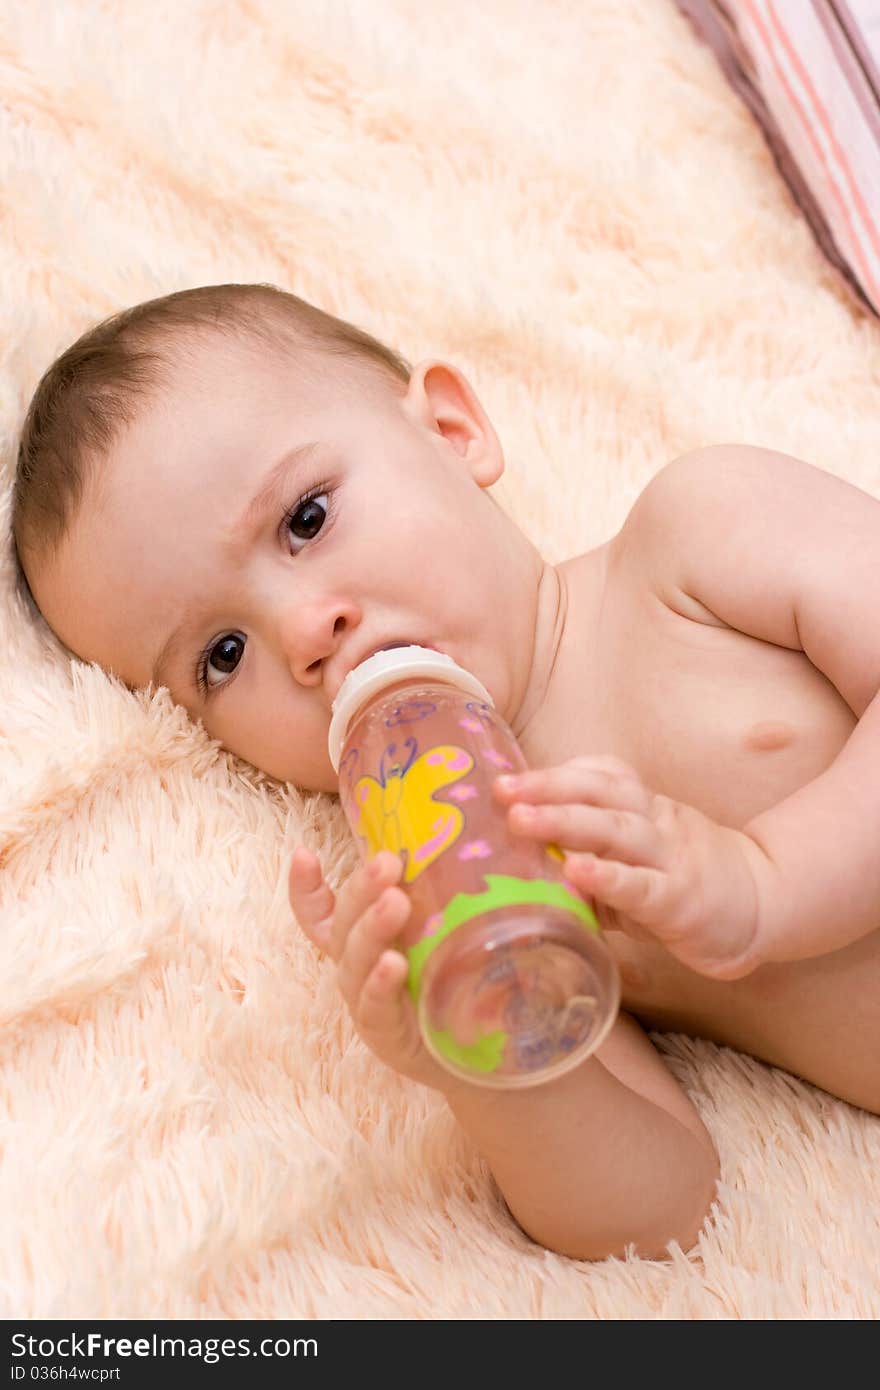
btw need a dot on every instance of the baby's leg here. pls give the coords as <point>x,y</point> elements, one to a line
<point>819,1018</point>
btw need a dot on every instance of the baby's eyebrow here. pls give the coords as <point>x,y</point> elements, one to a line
<point>236,535</point>
<point>233,539</point>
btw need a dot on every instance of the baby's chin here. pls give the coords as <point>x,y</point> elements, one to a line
<point>327,784</point>
<point>307,780</point>
<point>312,779</point>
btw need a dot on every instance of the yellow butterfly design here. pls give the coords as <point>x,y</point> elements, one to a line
<point>398,811</point>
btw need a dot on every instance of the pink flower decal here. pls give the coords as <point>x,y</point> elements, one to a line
<point>473,726</point>
<point>455,759</point>
<point>433,924</point>
<point>467,792</point>
<point>498,759</point>
<point>475,849</point>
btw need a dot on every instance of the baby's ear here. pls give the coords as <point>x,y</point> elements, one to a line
<point>442,400</point>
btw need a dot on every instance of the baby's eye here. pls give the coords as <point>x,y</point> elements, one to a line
<point>308,516</point>
<point>221,658</point>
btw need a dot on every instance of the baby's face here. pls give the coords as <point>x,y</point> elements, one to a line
<point>377,530</point>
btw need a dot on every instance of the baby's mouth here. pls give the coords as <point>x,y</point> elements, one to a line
<point>391,646</point>
<point>386,647</point>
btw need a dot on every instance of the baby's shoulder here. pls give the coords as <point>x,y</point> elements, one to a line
<point>708,506</point>
<point>721,490</point>
<point>691,488</point>
<point>671,518</point>
<point>768,545</point>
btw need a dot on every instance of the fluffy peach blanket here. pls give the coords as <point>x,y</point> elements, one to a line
<point>567,200</point>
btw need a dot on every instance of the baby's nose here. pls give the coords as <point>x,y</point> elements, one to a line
<point>314,634</point>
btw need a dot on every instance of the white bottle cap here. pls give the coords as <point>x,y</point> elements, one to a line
<point>386,668</point>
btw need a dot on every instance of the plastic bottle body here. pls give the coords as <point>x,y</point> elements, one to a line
<point>508,971</point>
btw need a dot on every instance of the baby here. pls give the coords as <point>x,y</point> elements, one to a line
<point>234,495</point>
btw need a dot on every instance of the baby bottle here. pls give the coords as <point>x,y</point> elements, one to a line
<point>511,979</point>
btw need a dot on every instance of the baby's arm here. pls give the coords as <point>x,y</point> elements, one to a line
<point>611,1154</point>
<point>787,553</point>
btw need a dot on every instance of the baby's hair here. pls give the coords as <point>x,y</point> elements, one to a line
<point>96,387</point>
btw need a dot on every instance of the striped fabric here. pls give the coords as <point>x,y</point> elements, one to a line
<point>810,72</point>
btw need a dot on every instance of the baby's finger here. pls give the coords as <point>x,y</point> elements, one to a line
<point>640,895</point>
<point>370,937</point>
<point>584,780</point>
<point>623,835</point>
<point>311,898</point>
<point>385,1016</point>
<point>362,888</point>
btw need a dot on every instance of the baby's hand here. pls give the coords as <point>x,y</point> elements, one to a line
<point>661,869</point>
<point>357,929</point>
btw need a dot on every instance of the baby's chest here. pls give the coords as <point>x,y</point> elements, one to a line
<point>707,715</point>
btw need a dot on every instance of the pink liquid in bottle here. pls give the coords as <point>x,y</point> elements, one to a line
<point>508,971</point>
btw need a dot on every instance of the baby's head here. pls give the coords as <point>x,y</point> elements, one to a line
<point>232,494</point>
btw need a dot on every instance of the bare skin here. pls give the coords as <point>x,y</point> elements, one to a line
<point>731,725</point>
<point>661,718</point>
